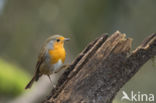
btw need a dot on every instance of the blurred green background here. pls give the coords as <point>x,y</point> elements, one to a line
<point>25,24</point>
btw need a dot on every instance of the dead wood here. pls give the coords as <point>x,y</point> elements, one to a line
<point>101,69</point>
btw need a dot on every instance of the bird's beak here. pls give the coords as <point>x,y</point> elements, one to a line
<point>66,39</point>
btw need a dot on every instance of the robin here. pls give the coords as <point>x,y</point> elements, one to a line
<point>51,58</point>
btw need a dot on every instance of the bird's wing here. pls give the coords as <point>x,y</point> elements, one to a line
<point>41,59</point>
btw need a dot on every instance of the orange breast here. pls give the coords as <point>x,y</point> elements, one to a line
<point>56,54</point>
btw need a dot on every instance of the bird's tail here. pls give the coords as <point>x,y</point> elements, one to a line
<point>35,78</point>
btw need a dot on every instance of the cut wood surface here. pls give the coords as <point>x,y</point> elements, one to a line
<point>101,69</point>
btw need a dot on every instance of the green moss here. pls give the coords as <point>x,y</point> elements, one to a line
<point>12,79</point>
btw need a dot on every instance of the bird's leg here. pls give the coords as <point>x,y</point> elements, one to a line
<point>62,67</point>
<point>50,78</point>
<point>54,86</point>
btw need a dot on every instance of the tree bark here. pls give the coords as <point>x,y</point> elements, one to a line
<point>101,69</point>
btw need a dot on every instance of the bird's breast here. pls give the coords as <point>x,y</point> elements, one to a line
<point>56,55</point>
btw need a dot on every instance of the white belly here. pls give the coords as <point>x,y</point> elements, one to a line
<point>57,65</point>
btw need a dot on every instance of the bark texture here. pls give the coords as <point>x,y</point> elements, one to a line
<point>101,69</point>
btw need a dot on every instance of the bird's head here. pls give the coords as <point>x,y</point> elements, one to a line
<point>56,41</point>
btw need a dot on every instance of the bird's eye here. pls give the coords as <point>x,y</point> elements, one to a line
<point>57,40</point>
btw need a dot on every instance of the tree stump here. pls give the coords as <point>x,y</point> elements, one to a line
<point>101,69</point>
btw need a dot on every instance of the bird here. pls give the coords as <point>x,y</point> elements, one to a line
<point>51,57</point>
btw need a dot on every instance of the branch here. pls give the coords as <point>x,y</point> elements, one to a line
<point>101,69</point>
